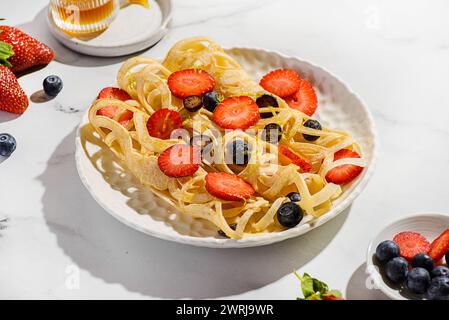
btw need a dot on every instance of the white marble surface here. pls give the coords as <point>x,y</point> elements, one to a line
<point>394,54</point>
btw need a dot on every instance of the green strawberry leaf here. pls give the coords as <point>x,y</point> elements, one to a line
<point>6,52</point>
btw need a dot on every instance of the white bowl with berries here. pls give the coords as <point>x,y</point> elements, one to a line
<point>408,259</point>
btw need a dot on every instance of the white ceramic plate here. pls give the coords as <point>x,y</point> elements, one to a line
<point>134,29</point>
<point>119,193</point>
<point>430,225</point>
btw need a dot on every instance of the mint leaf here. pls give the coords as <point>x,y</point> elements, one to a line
<point>319,286</point>
<point>314,289</point>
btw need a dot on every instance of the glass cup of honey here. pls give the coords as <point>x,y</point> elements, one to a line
<point>87,17</point>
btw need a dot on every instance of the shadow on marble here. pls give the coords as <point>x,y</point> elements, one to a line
<point>360,287</point>
<point>40,97</point>
<point>38,28</point>
<point>6,116</point>
<point>117,254</point>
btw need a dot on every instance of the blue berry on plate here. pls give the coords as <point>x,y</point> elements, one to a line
<point>266,101</point>
<point>272,133</point>
<point>387,250</point>
<point>52,85</point>
<point>210,100</point>
<point>438,289</point>
<point>289,214</point>
<point>7,144</point>
<point>447,257</point>
<point>440,271</point>
<point>241,152</point>
<point>423,260</point>
<point>192,103</point>
<point>294,196</point>
<point>397,269</point>
<point>418,280</point>
<point>312,124</point>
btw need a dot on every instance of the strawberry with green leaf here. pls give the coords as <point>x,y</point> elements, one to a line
<point>314,289</point>
<point>19,51</point>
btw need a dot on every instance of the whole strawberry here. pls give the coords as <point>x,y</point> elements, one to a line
<point>12,97</point>
<point>28,52</point>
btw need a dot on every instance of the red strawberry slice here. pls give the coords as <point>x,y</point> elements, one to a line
<point>28,52</point>
<point>190,82</point>
<point>411,243</point>
<point>162,123</point>
<point>236,113</point>
<point>281,82</point>
<point>180,160</point>
<point>12,98</point>
<point>228,186</point>
<point>440,246</point>
<point>287,156</point>
<point>114,93</point>
<point>110,111</point>
<point>304,99</point>
<point>344,173</point>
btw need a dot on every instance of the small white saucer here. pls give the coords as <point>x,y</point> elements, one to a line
<point>430,225</point>
<point>135,28</point>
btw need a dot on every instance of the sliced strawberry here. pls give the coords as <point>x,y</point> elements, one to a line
<point>190,82</point>
<point>110,111</point>
<point>287,156</point>
<point>411,243</point>
<point>162,123</point>
<point>304,99</point>
<point>236,113</point>
<point>440,246</point>
<point>180,160</point>
<point>281,82</point>
<point>344,173</point>
<point>228,186</point>
<point>114,93</point>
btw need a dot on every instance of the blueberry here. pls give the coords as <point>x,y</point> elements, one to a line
<point>438,289</point>
<point>289,214</point>
<point>265,101</point>
<point>7,144</point>
<point>210,100</point>
<point>396,269</point>
<point>386,251</point>
<point>241,152</point>
<point>312,124</point>
<point>418,280</point>
<point>424,261</point>
<point>447,257</point>
<point>52,85</point>
<point>192,103</point>
<point>272,133</point>
<point>440,271</point>
<point>202,141</point>
<point>232,226</point>
<point>294,196</point>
